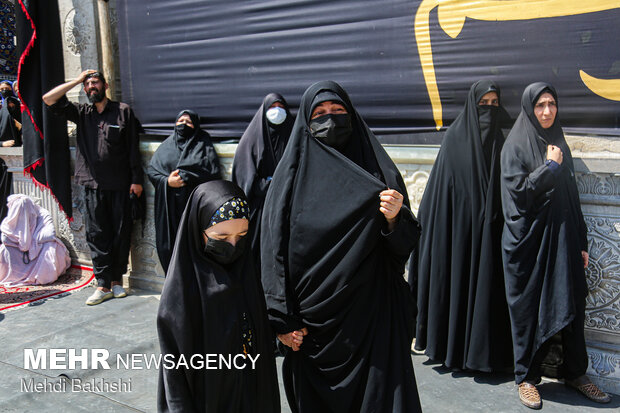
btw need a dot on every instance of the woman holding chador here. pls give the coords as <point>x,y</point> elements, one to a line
<point>336,233</point>
<point>544,246</point>
<point>182,162</point>
<point>463,317</point>
<point>212,305</point>
<point>259,151</point>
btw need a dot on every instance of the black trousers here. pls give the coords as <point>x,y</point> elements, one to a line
<point>108,233</point>
<point>575,356</point>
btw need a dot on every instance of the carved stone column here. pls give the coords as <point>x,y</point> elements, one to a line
<point>146,271</point>
<point>597,167</point>
<point>79,40</point>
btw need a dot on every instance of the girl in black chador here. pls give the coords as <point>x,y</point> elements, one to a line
<point>212,303</point>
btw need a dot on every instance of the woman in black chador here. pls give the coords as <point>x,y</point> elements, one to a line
<point>212,303</point>
<point>10,129</point>
<point>182,162</point>
<point>544,246</point>
<point>463,317</point>
<point>336,233</point>
<point>10,116</point>
<point>259,151</point>
<point>8,96</point>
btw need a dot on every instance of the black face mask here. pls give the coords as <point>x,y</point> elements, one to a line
<point>487,119</point>
<point>184,130</point>
<point>224,252</point>
<point>6,93</point>
<point>332,130</point>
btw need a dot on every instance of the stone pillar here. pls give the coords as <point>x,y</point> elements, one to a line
<point>597,168</point>
<point>78,21</point>
<point>108,58</point>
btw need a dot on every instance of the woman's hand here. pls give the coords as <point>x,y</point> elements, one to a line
<point>294,339</point>
<point>174,180</point>
<point>555,154</point>
<point>586,258</point>
<point>136,189</point>
<point>8,143</point>
<point>391,202</point>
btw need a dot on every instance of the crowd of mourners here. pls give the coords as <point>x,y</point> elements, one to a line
<point>304,252</point>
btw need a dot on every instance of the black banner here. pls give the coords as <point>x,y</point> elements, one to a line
<point>45,142</point>
<point>221,58</point>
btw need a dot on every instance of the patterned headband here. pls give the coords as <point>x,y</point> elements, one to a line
<point>235,208</point>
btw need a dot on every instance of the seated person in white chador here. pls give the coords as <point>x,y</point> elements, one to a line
<point>30,252</point>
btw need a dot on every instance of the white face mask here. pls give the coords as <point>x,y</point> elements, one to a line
<point>276,115</point>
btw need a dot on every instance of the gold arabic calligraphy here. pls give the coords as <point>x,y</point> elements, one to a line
<point>452,14</point>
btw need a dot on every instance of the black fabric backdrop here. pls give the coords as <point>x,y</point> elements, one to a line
<point>45,141</point>
<point>221,57</point>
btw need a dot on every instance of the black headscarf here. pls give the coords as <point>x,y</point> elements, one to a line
<point>544,232</point>
<point>257,155</point>
<point>15,111</point>
<point>11,94</point>
<point>327,265</point>
<point>197,162</point>
<point>201,312</point>
<point>462,313</point>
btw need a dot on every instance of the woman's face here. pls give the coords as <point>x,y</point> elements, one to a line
<point>545,110</point>
<point>184,118</point>
<point>328,107</point>
<point>489,99</point>
<point>276,105</point>
<point>230,231</point>
<point>5,86</point>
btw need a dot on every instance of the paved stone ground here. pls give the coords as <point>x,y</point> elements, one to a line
<point>126,326</point>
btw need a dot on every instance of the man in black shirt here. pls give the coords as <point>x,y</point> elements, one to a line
<point>108,165</point>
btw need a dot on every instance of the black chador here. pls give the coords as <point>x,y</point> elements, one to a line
<point>215,310</point>
<point>544,234</point>
<point>192,153</point>
<point>259,151</point>
<point>8,129</point>
<point>463,317</point>
<point>330,265</point>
